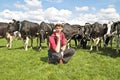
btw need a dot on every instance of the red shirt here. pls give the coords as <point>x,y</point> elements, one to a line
<point>53,40</point>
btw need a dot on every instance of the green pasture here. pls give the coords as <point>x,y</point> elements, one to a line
<point>18,64</point>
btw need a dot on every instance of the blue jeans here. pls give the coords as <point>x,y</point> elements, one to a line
<point>55,57</point>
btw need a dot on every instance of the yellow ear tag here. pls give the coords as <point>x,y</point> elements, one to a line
<point>46,32</point>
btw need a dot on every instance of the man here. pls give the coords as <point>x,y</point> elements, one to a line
<point>57,43</point>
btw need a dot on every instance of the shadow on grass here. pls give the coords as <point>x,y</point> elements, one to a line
<point>109,52</point>
<point>22,47</point>
<point>44,59</point>
<point>2,46</point>
<point>19,48</point>
<point>38,49</point>
<point>104,51</point>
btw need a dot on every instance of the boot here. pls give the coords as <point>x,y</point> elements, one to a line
<point>61,62</point>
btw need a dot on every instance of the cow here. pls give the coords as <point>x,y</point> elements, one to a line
<point>108,37</point>
<point>75,32</point>
<point>3,29</point>
<point>6,31</point>
<point>95,32</point>
<point>28,31</point>
<point>114,30</point>
<point>45,30</point>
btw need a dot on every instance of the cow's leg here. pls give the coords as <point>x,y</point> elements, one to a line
<point>104,41</point>
<point>111,41</point>
<point>7,38</point>
<point>40,44</point>
<point>68,44</point>
<point>92,43</point>
<point>10,41</point>
<point>75,42</point>
<point>97,43</point>
<point>80,43</point>
<point>47,40</point>
<point>7,42</point>
<point>117,43</point>
<point>100,44</point>
<point>31,42</point>
<point>37,42</point>
<point>26,43</point>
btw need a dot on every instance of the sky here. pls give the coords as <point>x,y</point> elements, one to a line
<point>60,11</point>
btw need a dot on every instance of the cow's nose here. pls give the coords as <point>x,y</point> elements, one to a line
<point>108,35</point>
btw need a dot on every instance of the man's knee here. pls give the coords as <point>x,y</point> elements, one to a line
<point>72,51</point>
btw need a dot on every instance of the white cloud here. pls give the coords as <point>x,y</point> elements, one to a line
<point>108,14</point>
<point>9,15</point>
<point>50,14</point>
<point>29,4</point>
<point>37,14</point>
<point>34,15</point>
<point>33,3</point>
<point>55,15</point>
<point>103,15</point>
<point>80,9</point>
<point>21,6</point>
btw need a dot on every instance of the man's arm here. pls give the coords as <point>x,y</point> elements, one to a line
<point>57,49</point>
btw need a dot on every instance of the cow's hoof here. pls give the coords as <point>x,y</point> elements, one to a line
<point>39,48</point>
<point>105,46</point>
<point>31,47</point>
<point>26,49</point>
<point>7,46</point>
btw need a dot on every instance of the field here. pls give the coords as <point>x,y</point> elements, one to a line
<point>17,64</point>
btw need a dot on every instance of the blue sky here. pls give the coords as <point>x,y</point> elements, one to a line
<point>64,4</point>
<point>71,11</point>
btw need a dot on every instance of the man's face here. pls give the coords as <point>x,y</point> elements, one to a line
<point>58,29</point>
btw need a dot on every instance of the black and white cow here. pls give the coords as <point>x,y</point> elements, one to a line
<point>75,32</point>
<point>95,32</point>
<point>114,30</point>
<point>28,30</point>
<point>6,31</point>
<point>45,30</point>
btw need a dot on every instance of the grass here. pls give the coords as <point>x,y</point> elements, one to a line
<point>18,64</point>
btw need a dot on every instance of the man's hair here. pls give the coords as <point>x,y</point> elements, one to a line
<point>59,25</point>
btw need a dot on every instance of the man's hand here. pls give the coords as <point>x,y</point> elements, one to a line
<point>58,35</point>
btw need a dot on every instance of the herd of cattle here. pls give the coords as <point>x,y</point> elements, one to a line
<point>89,32</point>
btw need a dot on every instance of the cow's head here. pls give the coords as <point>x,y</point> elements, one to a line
<point>42,35</point>
<point>45,30</point>
<point>13,26</point>
<point>87,30</point>
<point>110,27</point>
<point>115,28</point>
